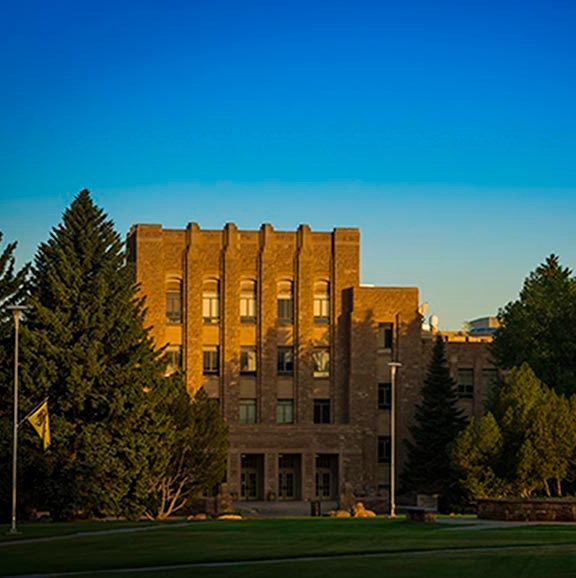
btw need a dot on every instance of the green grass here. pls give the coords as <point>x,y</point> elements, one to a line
<point>289,538</point>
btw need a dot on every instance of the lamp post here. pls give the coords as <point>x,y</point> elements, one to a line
<point>393,365</point>
<point>17,311</point>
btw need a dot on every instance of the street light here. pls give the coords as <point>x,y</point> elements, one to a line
<point>393,365</point>
<point>17,311</point>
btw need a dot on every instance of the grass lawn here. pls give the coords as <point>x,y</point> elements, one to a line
<point>269,539</point>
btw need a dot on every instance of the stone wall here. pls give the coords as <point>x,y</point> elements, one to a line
<point>528,509</point>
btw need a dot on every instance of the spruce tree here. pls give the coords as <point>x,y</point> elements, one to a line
<point>86,348</point>
<point>538,328</point>
<point>437,423</point>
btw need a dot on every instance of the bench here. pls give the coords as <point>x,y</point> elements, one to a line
<point>420,514</point>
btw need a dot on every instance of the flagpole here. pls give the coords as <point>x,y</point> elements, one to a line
<point>17,314</point>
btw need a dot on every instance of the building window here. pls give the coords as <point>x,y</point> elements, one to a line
<point>285,302</point>
<point>211,360</point>
<point>248,301</point>
<point>322,302</point>
<point>173,359</point>
<point>466,383</point>
<point>247,411</point>
<point>385,335</point>
<point>211,301</point>
<point>384,449</point>
<point>321,411</point>
<point>174,301</point>
<point>489,381</point>
<point>248,360</point>
<point>384,395</point>
<point>321,358</point>
<point>285,411</point>
<point>285,361</point>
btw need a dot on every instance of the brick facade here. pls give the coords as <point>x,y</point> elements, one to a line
<point>331,395</point>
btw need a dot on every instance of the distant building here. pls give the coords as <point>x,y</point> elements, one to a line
<point>278,330</point>
<point>483,326</point>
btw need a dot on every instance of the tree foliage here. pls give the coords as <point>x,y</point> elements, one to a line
<point>438,421</point>
<point>86,348</point>
<point>538,328</point>
<point>525,441</point>
<point>190,455</point>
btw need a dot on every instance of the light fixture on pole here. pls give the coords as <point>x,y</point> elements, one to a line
<point>393,365</point>
<point>17,311</point>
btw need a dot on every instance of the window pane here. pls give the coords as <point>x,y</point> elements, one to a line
<point>211,360</point>
<point>248,360</point>
<point>384,395</point>
<point>466,383</point>
<point>285,361</point>
<point>211,301</point>
<point>174,307</point>
<point>384,449</point>
<point>285,411</point>
<point>322,302</point>
<point>174,359</point>
<point>285,302</point>
<point>321,411</point>
<point>248,302</point>
<point>247,412</point>
<point>385,335</point>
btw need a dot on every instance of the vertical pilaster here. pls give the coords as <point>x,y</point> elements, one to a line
<point>192,294</point>
<point>346,274</point>
<point>304,324</point>
<point>267,334</point>
<point>230,320</point>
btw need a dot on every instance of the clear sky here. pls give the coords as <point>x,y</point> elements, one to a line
<point>445,131</point>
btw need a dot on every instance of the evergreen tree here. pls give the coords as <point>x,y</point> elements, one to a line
<point>437,423</point>
<point>11,289</point>
<point>538,328</point>
<point>85,348</point>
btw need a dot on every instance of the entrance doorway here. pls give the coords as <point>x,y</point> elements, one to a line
<point>252,477</point>
<point>327,476</point>
<point>289,477</point>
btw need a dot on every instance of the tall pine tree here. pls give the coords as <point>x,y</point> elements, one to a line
<point>538,328</point>
<point>437,423</point>
<point>85,347</point>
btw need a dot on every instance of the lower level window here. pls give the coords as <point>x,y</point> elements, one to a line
<point>285,411</point>
<point>247,411</point>
<point>321,411</point>
<point>384,449</point>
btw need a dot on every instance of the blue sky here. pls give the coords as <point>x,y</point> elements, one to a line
<point>445,131</point>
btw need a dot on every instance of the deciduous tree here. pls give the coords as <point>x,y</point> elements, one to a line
<point>190,456</point>
<point>527,440</point>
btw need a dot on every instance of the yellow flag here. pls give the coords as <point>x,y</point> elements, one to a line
<point>40,422</point>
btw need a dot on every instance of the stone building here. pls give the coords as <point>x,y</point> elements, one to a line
<point>278,330</point>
